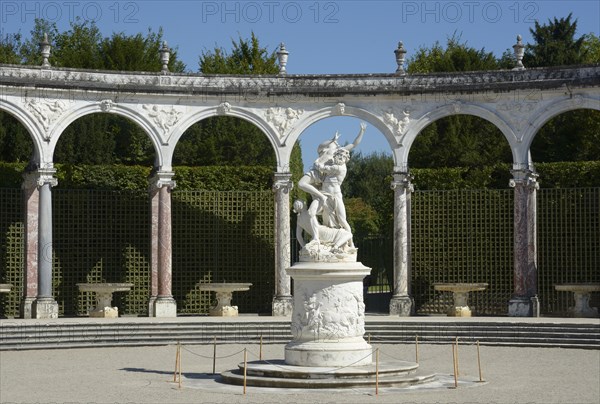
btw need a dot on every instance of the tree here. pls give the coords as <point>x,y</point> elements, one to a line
<point>97,138</point>
<point>555,44</point>
<point>367,190</point>
<point>10,45</point>
<point>574,135</point>
<point>456,57</point>
<point>227,140</point>
<point>460,140</point>
<point>246,57</point>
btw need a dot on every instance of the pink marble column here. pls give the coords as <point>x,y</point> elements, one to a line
<point>164,304</point>
<point>282,302</point>
<point>164,242</point>
<point>401,303</point>
<point>31,197</point>
<point>525,248</point>
<point>153,194</point>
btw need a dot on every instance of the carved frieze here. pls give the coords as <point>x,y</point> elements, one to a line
<point>46,112</point>
<point>517,114</point>
<point>163,118</point>
<point>397,122</point>
<point>282,119</point>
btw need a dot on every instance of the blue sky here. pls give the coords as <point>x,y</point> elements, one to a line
<point>323,37</point>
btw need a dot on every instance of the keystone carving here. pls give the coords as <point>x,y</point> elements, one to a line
<point>107,105</point>
<point>283,119</point>
<point>223,108</point>
<point>46,112</point>
<point>339,109</point>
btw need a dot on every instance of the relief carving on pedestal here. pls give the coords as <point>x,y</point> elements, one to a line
<point>334,313</point>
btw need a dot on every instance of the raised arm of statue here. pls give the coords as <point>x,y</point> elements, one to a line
<point>363,127</point>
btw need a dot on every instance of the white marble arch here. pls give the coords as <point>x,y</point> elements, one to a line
<point>32,126</point>
<point>453,109</point>
<point>199,114</point>
<point>552,110</point>
<point>334,111</point>
<point>84,109</point>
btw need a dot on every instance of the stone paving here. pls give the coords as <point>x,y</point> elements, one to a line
<point>145,375</point>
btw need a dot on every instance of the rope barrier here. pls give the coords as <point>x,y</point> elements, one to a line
<point>210,357</point>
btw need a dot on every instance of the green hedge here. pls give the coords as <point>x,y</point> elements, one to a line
<point>579,174</point>
<point>121,177</point>
<point>571,174</point>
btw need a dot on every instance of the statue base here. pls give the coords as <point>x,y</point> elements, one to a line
<point>328,319</point>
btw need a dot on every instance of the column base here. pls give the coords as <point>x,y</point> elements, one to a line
<point>521,307</point>
<point>165,307</point>
<point>282,306</point>
<point>45,307</point>
<point>26,308</point>
<point>401,306</point>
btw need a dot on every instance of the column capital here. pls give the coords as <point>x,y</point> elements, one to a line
<point>161,179</point>
<point>524,177</point>
<point>402,180</point>
<point>39,177</point>
<point>282,181</point>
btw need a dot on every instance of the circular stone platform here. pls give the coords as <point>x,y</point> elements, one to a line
<point>277,374</point>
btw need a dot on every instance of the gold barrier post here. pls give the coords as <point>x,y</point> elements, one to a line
<point>214,355</point>
<point>417,348</point>
<point>377,372</point>
<point>177,353</point>
<point>245,368</point>
<point>479,362</point>
<point>180,367</point>
<point>455,366</point>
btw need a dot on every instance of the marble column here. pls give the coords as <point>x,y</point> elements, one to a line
<point>153,195</point>
<point>31,197</point>
<point>401,303</point>
<point>282,301</point>
<point>164,304</point>
<point>44,305</point>
<point>525,248</point>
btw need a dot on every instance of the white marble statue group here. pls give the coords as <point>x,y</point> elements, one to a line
<point>331,238</point>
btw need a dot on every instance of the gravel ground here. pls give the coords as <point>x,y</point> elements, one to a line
<point>145,375</point>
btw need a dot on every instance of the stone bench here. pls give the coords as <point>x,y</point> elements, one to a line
<point>224,292</point>
<point>582,292</point>
<point>461,296</point>
<point>5,287</point>
<point>104,292</point>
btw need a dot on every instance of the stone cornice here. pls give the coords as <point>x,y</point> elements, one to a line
<point>310,85</point>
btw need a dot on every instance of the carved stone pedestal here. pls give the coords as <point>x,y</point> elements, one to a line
<point>45,307</point>
<point>328,320</point>
<point>401,306</point>
<point>282,306</point>
<point>165,307</point>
